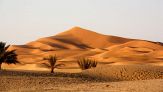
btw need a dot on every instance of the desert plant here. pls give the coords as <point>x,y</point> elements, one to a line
<point>52,60</point>
<point>94,63</point>
<point>85,63</point>
<point>6,56</point>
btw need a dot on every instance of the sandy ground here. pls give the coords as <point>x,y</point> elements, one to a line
<point>49,84</point>
<point>126,72</point>
<point>35,81</point>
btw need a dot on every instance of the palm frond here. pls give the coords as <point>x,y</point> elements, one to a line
<point>2,49</point>
<point>7,47</point>
<point>51,59</point>
<point>94,63</point>
<point>9,57</point>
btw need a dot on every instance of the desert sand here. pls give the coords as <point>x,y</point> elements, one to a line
<point>124,64</point>
<point>120,78</point>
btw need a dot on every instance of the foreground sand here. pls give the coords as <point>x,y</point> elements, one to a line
<point>48,84</point>
<point>89,81</point>
<point>126,72</point>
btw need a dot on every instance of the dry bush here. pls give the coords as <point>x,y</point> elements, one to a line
<point>85,63</point>
<point>94,63</point>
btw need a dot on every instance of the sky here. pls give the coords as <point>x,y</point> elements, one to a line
<point>22,21</point>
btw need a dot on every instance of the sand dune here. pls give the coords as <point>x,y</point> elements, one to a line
<point>78,42</point>
<point>133,51</point>
<point>138,44</point>
<point>93,39</point>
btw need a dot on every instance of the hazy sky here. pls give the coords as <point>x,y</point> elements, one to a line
<point>22,21</point>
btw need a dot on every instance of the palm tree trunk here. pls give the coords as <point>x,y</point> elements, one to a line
<point>52,69</point>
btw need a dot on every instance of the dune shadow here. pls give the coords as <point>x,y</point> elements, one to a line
<point>54,45</point>
<point>82,46</point>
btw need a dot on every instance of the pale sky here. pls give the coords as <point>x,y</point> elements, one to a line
<point>22,21</point>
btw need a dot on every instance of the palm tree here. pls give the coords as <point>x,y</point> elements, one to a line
<point>9,57</point>
<point>52,60</point>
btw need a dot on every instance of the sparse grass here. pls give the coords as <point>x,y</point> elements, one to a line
<point>85,63</point>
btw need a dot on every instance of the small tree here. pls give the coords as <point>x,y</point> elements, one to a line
<point>9,57</point>
<point>85,63</point>
<point>52,60</point>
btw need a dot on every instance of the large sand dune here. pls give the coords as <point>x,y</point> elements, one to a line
<point>78,42</point>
